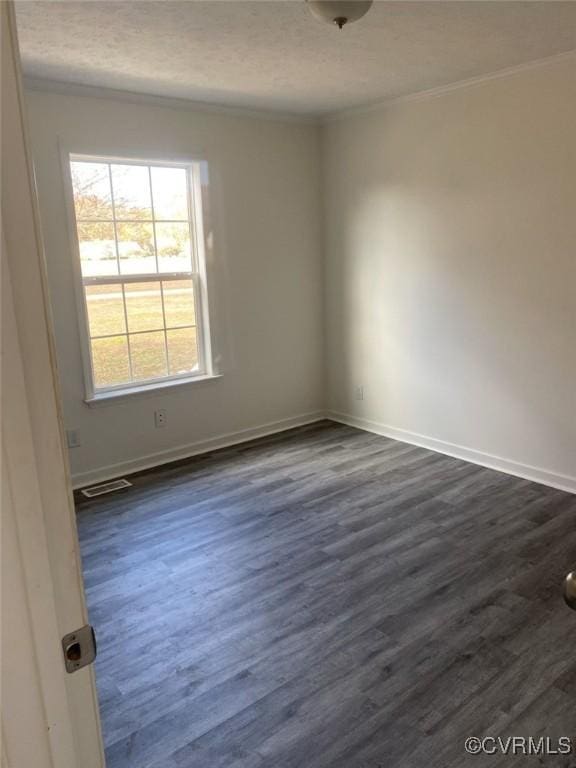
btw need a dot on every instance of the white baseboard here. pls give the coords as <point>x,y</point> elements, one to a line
<point>509,467</point>
<point>102,474</point>
<point>535,474</point>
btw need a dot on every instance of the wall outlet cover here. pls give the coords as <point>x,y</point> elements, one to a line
<point>73,438</point>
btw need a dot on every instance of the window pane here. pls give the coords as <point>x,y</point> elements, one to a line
<point>110,361</point>
<point>131,187</point>
<point>135,222</point>
<point>182,350</point>
<point>136,248</point>
<point>173,242</point>
<point>144,306</point>
<point>97,249</point>
<point>170,193</point>
<point>148,352</point>
<point>91,185</point>
<point>179,303</point>
<point>105,309</point>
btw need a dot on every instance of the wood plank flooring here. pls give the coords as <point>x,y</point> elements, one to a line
<point>328,598</point>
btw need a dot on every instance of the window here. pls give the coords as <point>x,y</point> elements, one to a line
<point>142,272</point>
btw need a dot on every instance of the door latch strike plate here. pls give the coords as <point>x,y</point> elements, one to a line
<point>79,648</point>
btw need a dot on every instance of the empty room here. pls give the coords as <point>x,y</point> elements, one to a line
<point>289,384</point>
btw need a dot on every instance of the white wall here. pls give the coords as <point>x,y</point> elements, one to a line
<point>265,179</point>
<point>450,236</point>
<point>449,277</point>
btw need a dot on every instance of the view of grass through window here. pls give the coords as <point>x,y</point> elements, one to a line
<point>134,233</point>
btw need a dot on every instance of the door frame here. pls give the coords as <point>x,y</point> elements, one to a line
<point>35,458</point>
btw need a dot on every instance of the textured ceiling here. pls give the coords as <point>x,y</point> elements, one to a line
<point>275,56</point>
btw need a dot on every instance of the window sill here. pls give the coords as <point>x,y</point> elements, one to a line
<point>146,390</point>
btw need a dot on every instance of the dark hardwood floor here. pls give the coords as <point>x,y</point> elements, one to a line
<point>328,598</point>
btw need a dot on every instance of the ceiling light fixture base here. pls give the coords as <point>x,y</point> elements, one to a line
<point>339,12</point>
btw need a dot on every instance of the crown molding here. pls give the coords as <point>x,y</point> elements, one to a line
<point>441,90</point>
<point>167,102</point>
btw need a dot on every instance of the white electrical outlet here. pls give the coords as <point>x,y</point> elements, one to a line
<point>160,418</point>
<point>73,438</point>
<point>359,393</point>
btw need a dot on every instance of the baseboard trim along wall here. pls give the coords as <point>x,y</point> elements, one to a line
<point>151,460</point>
<point>509,467</point>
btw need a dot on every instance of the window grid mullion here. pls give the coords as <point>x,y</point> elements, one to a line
<point>138,333</point>
<point>114,218</point>
<point>191,219</point>
<point>158,271</point>
<point>123,280</point>
<point>132,221</point>
<point>146,277</point>
<point>127,333</point>
<point>164,329</point>
<point>78,157</point>
<point>153,219</point>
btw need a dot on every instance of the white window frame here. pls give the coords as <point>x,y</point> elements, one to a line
<point>198,276</point>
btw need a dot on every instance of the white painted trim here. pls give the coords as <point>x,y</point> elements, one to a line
<point>508,466</point>
<point>441,90</point>
<point>36,445</point>
<point>226,440</point>
<point>170,102</point>
<point>167,102</point>
<point>197,273</point>
<point>112,396</point>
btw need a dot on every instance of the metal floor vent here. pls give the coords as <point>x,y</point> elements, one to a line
<point>100,490</point>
